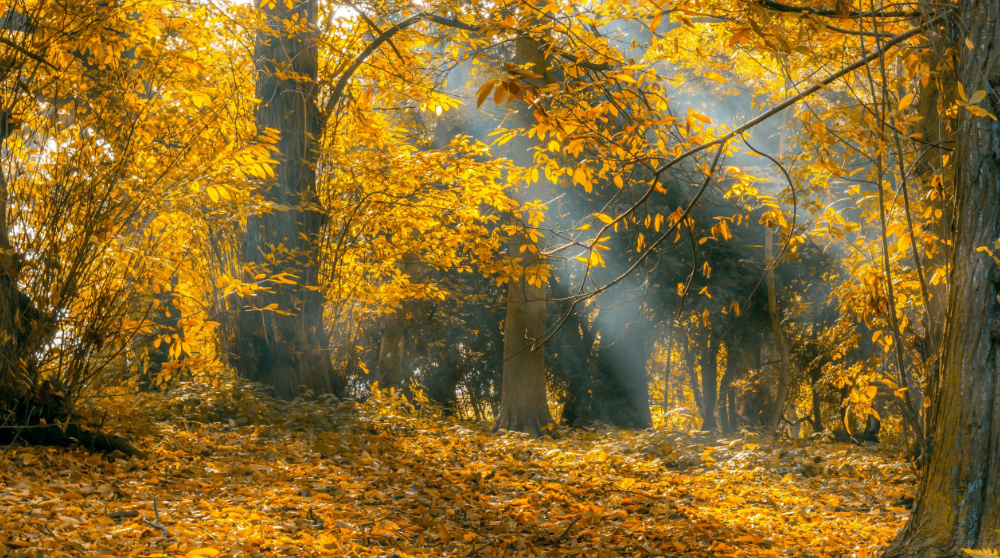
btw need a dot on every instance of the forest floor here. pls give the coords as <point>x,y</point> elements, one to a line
<point>241,476</point>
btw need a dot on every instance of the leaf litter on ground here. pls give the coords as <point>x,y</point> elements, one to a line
<point>256,477</point>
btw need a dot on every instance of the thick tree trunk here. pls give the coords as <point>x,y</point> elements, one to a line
<point>957,504</point>
<point>784,373</point>
<point>523,401</point>
<point>287,348</point>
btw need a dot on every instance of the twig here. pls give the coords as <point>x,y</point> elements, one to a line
<point>316,519</point>
<point>421,520</point>
<point>568,527</point>
<point>484,545</point>
<point>19,428</point>
<point>650,496</point>
<point>383,518</point>
<point>157,525</point>
<point>155,510</point>
<point>166,533</point>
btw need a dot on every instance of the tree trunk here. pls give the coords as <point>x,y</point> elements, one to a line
<point>624,358</point>
<point>817,413</point>
<point>523,401</point>
<point>709,381</point>
<point>442,386</point>
<point>957,504</point>
<point>725,387</point>
<point>779,337</point>
<point>734,415</point>
<point>390,356</point>
<point>689,354</point>
<point>287,348</point>
<point>666,374</point>
<point>18,374</point>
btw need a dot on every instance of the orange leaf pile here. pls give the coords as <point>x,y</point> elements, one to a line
<point>343,479</point>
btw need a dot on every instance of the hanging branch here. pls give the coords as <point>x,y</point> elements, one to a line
<point>908,412</point>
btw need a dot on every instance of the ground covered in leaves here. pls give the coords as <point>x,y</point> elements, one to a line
<point>251,477</point>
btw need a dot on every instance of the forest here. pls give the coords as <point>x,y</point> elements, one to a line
<point>406,278</point>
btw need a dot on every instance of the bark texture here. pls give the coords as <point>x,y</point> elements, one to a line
<point>287,349</point>
<point>958,500</point>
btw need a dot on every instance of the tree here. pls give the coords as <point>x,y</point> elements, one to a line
<point>956,505</point>
<point>281,338</point>
<point>524,402</point>
<point>107,138</point>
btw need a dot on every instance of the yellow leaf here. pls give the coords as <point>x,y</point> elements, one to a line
<point>977,96</point>
<point>905,102</point>
<point>961,92</point>
<point>210,552</point>
<point>655,22</point>
<point>499,94</point>
<point>969,44</point>
<point>596,259</point>
<point>604,218</point>
<point>714,76</point>
<point>213,194</point>
<point>595,455</point>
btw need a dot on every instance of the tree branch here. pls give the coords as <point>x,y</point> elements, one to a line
<point>721,141</point>
<point>386,35</point>
<point>785,8</point>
